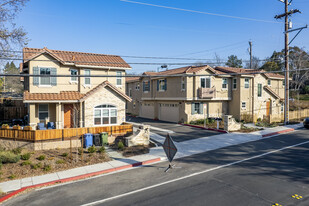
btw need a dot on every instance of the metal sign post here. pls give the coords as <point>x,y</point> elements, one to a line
<point>170,151</point>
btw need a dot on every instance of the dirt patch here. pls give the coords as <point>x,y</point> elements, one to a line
<point>49,161</point>
<point>247,130</point>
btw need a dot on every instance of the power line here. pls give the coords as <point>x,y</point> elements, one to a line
<point>153,76</point>
<point>200,12</point>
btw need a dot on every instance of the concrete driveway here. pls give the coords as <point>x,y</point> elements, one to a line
<point>178,132</point>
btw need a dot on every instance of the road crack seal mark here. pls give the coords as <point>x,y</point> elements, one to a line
<point>296,196</point>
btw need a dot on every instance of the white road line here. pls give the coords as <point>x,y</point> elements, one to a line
<point>191,175</point>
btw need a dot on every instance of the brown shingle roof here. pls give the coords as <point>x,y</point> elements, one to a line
<point>132,79</point>
<point>62,96</point>
<point>267,88</point>
<point>246,71</point>
<point>77,58</point>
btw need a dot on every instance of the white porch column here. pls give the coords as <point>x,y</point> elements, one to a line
<point>58,116</point>
<point>81,112</point>
<point>32,114</point>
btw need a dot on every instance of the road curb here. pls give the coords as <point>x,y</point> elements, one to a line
<point>279,132</point>
<point>217,130</point>
<point>71,179</point>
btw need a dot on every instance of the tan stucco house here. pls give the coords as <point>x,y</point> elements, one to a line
<point>196,92</point>
<point>69,100</point>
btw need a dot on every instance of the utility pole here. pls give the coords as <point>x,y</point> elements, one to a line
<point>286,14</point>
<point>250,51</point>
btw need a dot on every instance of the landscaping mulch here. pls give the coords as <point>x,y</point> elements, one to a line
<point>49,161</point>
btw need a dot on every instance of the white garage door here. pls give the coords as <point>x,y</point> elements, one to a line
<point>169,112</point>
<point>147,111</point>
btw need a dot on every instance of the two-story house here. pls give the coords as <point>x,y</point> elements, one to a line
<point>62,87</point>
<point>196,92</point>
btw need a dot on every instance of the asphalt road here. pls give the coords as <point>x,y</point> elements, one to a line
<point>258,173</point>
<point>181,133</point>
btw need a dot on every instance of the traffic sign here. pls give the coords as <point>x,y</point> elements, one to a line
<point>169,148</point>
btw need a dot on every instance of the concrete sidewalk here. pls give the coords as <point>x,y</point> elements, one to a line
<point>156,154</point>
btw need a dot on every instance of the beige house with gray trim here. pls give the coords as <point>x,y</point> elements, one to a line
<point>71,100</point>
<point>196,92</point>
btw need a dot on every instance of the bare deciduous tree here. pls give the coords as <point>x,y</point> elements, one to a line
<point>10,34</point>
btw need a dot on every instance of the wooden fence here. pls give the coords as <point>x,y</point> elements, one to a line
<point>51,134</point>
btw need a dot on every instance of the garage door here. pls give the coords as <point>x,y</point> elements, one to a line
<point>169,112</point>
<point>147,111</point>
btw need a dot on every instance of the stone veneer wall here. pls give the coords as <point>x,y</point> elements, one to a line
<point>104,96</point>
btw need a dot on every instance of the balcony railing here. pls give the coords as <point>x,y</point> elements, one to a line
<point>207,93</point>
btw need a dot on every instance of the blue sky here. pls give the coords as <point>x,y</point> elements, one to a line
<point>122,28</point>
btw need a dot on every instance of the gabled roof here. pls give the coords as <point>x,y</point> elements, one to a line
<point>267,88</point>
<point>76,58</point>
<point>106,84</point>
<point>243,71</point>
<point>71,95</point>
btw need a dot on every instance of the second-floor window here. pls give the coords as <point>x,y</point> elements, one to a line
<point>183,84</point>
<point>283,82</point>
<point>45,80</point>
<point>205,82</point>
<point>246,83</point>
<point>259,90</point>
<point>87,79</point>
<point>137,86</point>
<point>224,83</point>
<point>161,84</point>
<point>146,86</point>
<point>234,83</point>
<point>269,82</point>
<point>119,79</point>
<point>73,75</point>
<point>130,92</point>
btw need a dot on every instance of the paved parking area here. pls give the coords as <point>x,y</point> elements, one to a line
<point>179,133</point>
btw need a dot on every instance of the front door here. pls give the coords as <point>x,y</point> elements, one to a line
<point>68,115</point>
<point>267,108</point>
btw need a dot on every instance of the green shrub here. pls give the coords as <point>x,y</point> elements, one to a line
<point>259,119</point>
<point>0,165</point>
<point>12,176</point>
<point>92,149</point>
<point>65,154</point>
<point>27,162</point>
<point>36,166</point>
<point>120,145</point>
<point>17,150</point>
<point>9,157</point>
<point>60,162</point>
<point>47,168</point>
<point>41,157</point>
<point>80,150</point>
<point>102,149</point>
<point>25,156</point>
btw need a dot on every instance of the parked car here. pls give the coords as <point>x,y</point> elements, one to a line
<point>306,123</point>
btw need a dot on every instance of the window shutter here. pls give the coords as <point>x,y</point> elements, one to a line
<point>201,108</point>
<point>36,80</point>
<point>192,109</point>
<point>165,84</point>
<point>157,85</point>
<point>53,71</point>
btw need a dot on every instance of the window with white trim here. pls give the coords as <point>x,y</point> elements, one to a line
<point>137,86</point>
<point>282,108</point>
<point>243,105</point>
<point>105,114</point>
<point>224,83</point>
<point>234,83</point>
<point>247,81</point>
<point>283,82</point>
<point>205,82</point>
<point>87,79</point>
<point>46,80</point>
<point>146,86</point>
<point>43,111</point>
<point>259,90</point>
<point>161,83</point>
<point>269,82</point>
<point>183,84</point>
<point>119,78</point>
<point>73,75</point>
